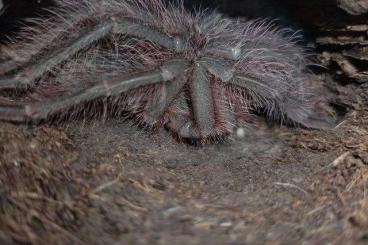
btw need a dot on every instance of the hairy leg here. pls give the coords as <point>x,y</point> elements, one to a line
<point>29,74</point>
<point>168,71</point>
<point>15,61</point>
<point>164,99</point>
<point>7,66</point>
<point>182,125</point>
<point>148,33</point>
<point>256,86</point>
<point>211,114</point>
<point>202,101</point>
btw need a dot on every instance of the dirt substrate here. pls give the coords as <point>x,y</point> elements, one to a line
<point>110,183</point>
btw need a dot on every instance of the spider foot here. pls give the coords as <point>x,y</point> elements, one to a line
<point>184,128</point>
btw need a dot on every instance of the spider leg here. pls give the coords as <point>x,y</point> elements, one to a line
<point>167,95</point>
<point>231,53</point>
<point>220,68</point>
<point>42,110</point>
<point>212,116</point>
<point>226,72</point>
<point>183,126</point>
<point>301,112</point>
<point>255,85</point>
<point>8,66</point>
<point>33,72</point>
<point>148,33</point>
<point>225,118</point>
<point>16,61</point>
<point>202,103</point>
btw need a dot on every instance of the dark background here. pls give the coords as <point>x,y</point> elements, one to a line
<point>17,10</point>
<point>297,14</point>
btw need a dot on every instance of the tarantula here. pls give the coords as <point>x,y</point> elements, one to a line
<point>198,74</point>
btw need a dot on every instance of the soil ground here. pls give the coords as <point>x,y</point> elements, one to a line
<point>111,183</point>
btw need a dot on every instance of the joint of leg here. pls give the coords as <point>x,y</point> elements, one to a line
<point>172,69</point>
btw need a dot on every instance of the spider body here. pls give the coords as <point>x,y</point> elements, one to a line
<point>200,75</point>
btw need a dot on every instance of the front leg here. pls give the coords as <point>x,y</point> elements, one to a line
<point>41,110</point>
<point>202,102</point>
<point>33,72</point>
<point>159,103</point>
<point>148,33</point>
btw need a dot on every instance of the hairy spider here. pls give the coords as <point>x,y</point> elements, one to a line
<point>198,74</point>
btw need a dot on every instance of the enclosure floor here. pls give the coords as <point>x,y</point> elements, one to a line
<point>110,183</point>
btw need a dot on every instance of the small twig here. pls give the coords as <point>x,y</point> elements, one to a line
<point>106,185</point>
<point>340,124</point>
<point>132,205</point>
<point>341,198</point>
<point>292,186</point>
<point>317,209</point>
<point>361,175</point>
<point>340,159</point>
